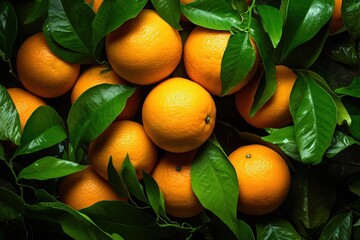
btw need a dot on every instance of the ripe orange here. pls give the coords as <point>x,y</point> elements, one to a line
<point>41,71</point>
<point>98,74</point>
<point>95,4</point>
<point>275,113</point>
<point>144,50</point>
<point>203,52</point>
<point>25,103</point>
<point>336,22</point>
<point>178,115</point>
<point>172,174</point>
<point>119,139</point>
<point>263,176</point>
<point>83,189</point>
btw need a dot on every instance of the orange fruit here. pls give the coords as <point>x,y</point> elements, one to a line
<point>275,113</point>
<point>178,115</point>
<point>25,103</point>
<point>94,4</point>
<point>84,188</point>
<point>41,71</point>
<point>144,50</point>
<point>263,177</point>
<point>99,74</point>
<point>119,139</point>
<point>203,52</point>
<point>336,22</point>
<point>172,174</point>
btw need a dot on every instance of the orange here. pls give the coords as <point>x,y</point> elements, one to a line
<point>94,4</point>
<point>41,71</point>
<point>99,74</point>
<point>275,113</point>
<point>203,52</point>
<point>336,22</point>
<point>172,174</point>
<point>119,139</point>
<point>144,50</point>
<point>263,177</point>
<point>178,115</point>
<point>83,189</point>
<point>25,103</point>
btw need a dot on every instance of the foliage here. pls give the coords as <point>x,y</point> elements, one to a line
<point>321,147</point>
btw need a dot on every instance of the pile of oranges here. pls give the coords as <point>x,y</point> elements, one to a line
<point>161,129</point>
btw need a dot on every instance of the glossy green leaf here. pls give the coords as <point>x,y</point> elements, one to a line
<point>339,227</point>
<point>75,224</point>
<point>169,10</point>
<point>116,182</point>
<point>49,168</point>
<point>122,218</point>
<point>8,29</point>
<point>352,90</point>
<point>44,129</point>
<point>111,15</point>
<point>154,195</point>
<point>340,142</point>
<point>267,83</point>
<point>70,29</point>
<point>276,229</point>
<point>216,14</point>
<point>238,60</point>
<point>245,231</point>
<point>11,204</point>
<point>215,184</point>
<point>272,22</point>
<point>38,9</point>
<point>9,118</point>
<point>95,110</point>
<point>314,115</point>
<point>350,13</point>
<point>128,174</point>
<point>312,195</point>
<point>302,21</point>
<point>343,49</point>
<point>285,139</point>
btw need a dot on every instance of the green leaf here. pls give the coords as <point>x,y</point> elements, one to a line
<point>169,10</point>
<point>115,180</point>
<point>340,142</point>
<point>154,195</point>
<point>302,21</point>
<point>272,22</point>
<point>39,8</point>
<point>122,218</point>
<point>238,60</point>
<point>75,224</point>
<point>8,29</point>
<point>314,115</point>
<point>354,186</point>
<point>95,110</point>
<point>352,90</point>
<point>2,152</point>
<point>214,182</point>
<point>350,12</point>
<point>48,168</point>
<point>44,129</point>
<point>128,174</point>
<point>9,118</point>
<point>311,197</point>
<point>267,85</point>
<point>352,106</point>
<point>11,204</point>
<point>245,231</point>
<point>111,15</point>
<point>285,139</point>
<point>215,14</point>
<point>339,227</point>
<point>276,229</point>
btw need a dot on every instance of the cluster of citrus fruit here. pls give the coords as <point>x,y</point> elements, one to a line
<point>178,114</point>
